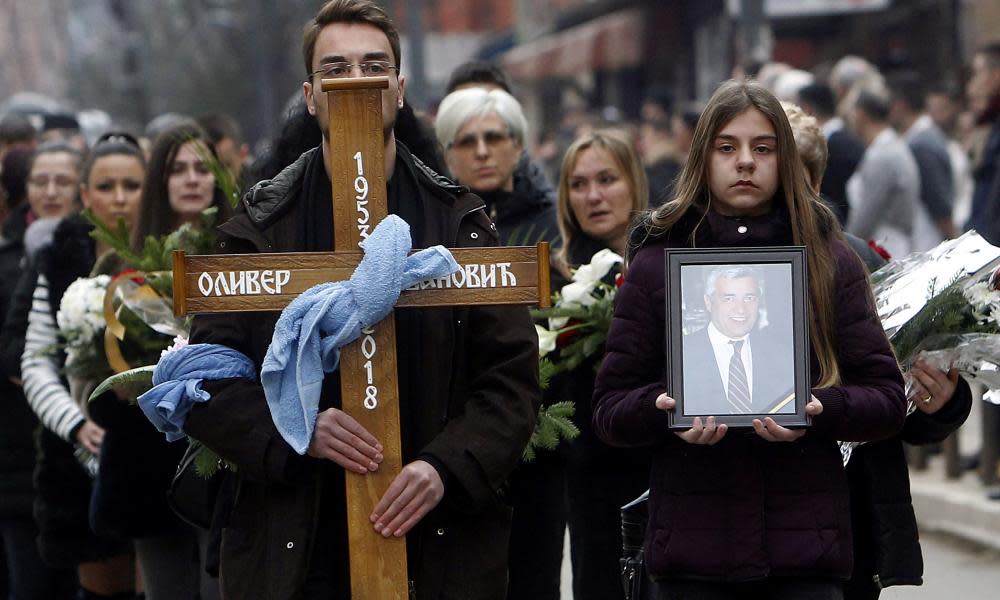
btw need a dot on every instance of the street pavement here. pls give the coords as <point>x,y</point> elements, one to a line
<point>953,569</point>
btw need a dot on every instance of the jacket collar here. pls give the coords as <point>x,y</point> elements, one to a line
<point>269,199</point>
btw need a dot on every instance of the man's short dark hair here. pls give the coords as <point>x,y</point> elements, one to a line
<point>991,52</point>
<point>16,128</point>
<point>820,97</point>
<point>220,126</point>
<point>910,89</point>
<point>661,96</point>
<point>478,71</point>
<point>660,124</point>
<point>873,104</point>
<point>348,11</point>
<point>60,120</point>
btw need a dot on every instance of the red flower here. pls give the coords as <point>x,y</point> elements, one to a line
<point>619,280</point>
<point>131,274</point>
<point>566,338</point>
<point>879,250</point>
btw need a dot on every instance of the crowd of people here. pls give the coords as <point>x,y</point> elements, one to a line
<point>856,165</point>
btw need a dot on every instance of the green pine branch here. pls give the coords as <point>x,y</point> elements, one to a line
<point>553,425</point>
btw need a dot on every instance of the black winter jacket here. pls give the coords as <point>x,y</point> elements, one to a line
<point>17,449</point>
<point>886,539</point>
<point>528,214</point>
<point>477,400</point>
<point>63,488</point>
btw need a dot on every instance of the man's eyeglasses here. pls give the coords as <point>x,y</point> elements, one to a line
<point>339,70</point>
<point>491,138</point>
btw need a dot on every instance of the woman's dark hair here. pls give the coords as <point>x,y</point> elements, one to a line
<point>419,138</point>
<point>156,217</point>
<point>112,144</point>
<point>300,133</point>
<point>14,173</point>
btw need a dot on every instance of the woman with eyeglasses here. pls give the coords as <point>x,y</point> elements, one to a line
<point>49,181</point>
<point>483,132</point>
<point>71,439</point>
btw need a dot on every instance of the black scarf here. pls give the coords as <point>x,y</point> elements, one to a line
<point>71,255</point>
<point>316,232</point>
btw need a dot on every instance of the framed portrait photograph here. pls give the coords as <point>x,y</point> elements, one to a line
<point>737,335</point>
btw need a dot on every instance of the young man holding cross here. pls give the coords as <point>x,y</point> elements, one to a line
<point>467,378</point>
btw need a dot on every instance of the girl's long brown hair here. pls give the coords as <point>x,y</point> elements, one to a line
<point>812,223</point>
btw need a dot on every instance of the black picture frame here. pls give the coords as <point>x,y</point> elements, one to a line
<point>771,333</point>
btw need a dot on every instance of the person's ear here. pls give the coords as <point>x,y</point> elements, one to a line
<point>402,91</point>
<point>307,93</point>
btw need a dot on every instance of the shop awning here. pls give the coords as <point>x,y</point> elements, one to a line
<point>611,42</point>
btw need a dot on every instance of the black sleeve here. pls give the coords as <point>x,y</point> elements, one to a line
<point>15,323</point>
<point>921,428</point>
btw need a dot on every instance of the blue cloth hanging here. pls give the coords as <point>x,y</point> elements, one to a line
<point>177,383</point>
<point>312,329</point>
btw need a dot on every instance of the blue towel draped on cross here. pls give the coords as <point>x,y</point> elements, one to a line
<point>307,339</point>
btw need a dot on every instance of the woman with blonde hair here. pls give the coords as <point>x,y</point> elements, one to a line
<point>602,187</point>
<point>760,512</point>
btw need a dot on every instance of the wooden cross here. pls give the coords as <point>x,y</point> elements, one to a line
<point>256,282</point>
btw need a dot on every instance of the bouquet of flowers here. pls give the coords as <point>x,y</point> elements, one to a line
<point>580,316</point>
<point>578,325</point>
<point>139,301</point>
<point>944,305</point>
<point>81,327</point>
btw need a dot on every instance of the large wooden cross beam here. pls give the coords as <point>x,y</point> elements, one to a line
<point>257,282</point>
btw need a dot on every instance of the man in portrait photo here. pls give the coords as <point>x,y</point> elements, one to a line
<point>733,366</point>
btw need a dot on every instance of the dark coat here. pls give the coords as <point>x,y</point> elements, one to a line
<point>526,215</point>
<point>937,189</point>
<point>62,485</point>
<point>478,400</point>
<point>886,539</point>
<point>985,214</point>
<point>845,152</point>
<point>600,479</point>
<point>17,448</point>
<point>746,508</point>
<point>536,490</point>
<point>127,498</point>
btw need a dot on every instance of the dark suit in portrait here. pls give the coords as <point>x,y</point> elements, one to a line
<point>772,381</point>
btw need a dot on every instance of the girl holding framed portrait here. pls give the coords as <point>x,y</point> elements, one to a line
<point>761,511</point>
